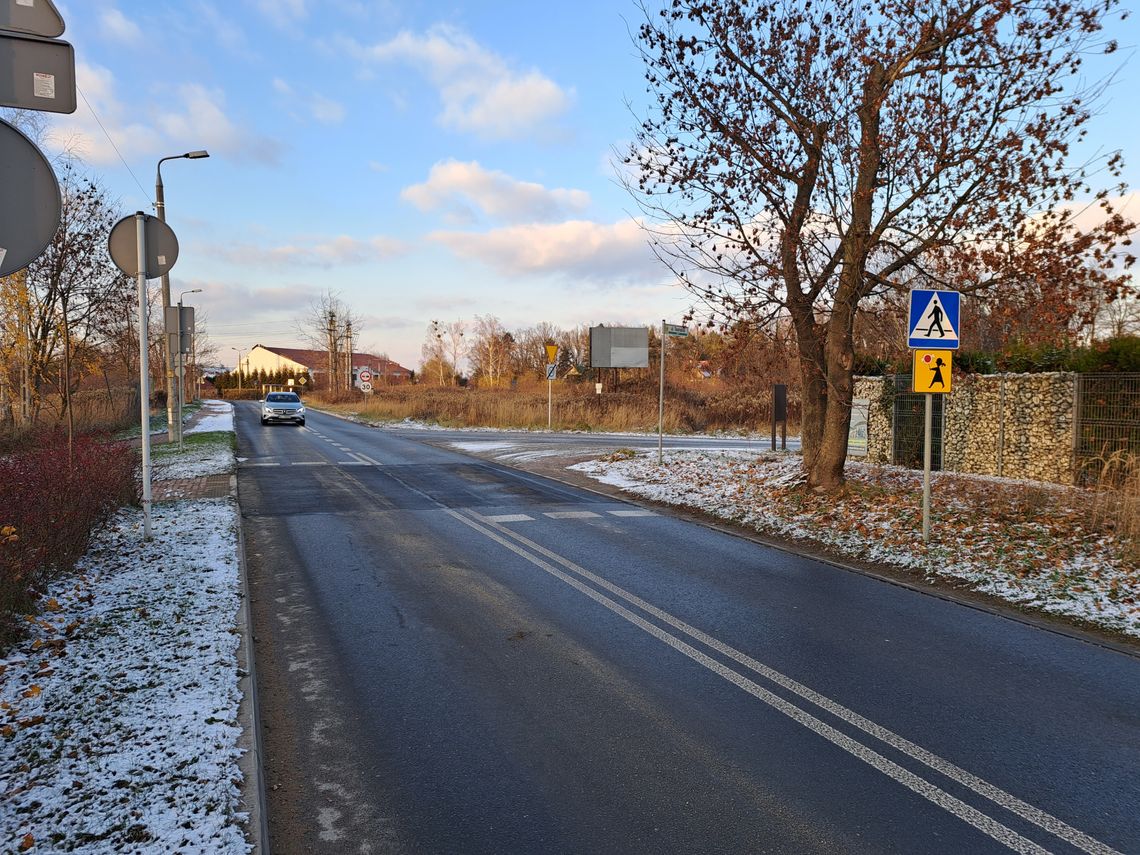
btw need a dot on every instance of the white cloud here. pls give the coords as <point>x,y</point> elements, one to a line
<point>479,91</point>
<point>197,120</point>
<point>222,28</point>
<point>117,27</point>
<point>322,109</point>
<point>577,249</point>
<point>203,122</point>
<point>325,110</point>
<point>312,251</point>
<point>79,133</point>
<point>452,183</point>
<point>283,13</point>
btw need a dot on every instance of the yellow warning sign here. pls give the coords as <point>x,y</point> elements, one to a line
<point>932,371</point>
<point>551,353</point>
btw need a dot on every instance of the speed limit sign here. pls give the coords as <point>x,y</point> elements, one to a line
<point>365,387</point>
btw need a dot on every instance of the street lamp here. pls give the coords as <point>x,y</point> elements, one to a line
<point>238,349</point>
<point>160,209</point>
<point>182,364</point>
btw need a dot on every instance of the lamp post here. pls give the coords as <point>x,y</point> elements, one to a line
<point>238,366</point>
<point>160,208</point>
<point>182,364</point>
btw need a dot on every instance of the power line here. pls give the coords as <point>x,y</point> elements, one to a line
<point>99,122</point>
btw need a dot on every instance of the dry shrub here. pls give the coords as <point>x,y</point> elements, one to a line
<point>48,510</point>
<point>1115,504</point>
<point>575,407</point>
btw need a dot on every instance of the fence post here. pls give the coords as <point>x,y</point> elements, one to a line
<point>1078,391</point>
<point>1001,426</point>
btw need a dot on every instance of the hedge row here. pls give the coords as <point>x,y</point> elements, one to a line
<point>49,508</point>
<point>1120,355</point>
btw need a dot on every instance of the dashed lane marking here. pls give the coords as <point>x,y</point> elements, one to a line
<point>504,518</point>
<point>571,515</point>
<point>633,513</point>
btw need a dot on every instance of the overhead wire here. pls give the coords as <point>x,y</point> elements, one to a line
<point>99,122</point>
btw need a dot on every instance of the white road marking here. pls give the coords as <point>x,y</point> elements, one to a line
<point>505,518</point>
<point>571,515</point>
<point>919,785</point>
<point>309,463</point>
<point>353,463</point>
<point>261,464</point>
<point>633,513</point>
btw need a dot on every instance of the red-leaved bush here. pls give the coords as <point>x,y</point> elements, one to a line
<point>49,508</point>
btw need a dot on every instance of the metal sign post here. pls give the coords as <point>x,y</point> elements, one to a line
<point>144,385</point>
<point>934,324</point>
<point>551,374</point>
<point>677,331</point>
<point>661,402</point>
<point>144,249</point>
<point>927,445</point>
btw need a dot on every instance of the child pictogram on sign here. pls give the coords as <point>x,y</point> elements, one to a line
<point>938,379</point>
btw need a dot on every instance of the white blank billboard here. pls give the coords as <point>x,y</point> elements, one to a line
<point>619,347</point>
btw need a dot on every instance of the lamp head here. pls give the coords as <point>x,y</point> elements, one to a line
<point>197,155</point>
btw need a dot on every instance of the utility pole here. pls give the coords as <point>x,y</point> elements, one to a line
<point>331,329</point>
<point>348,356</point>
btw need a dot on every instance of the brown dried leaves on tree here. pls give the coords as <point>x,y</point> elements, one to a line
<point>801,157</point>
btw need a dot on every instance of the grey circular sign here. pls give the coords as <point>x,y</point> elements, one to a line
<point>161,246</point>
<point>30,206</point>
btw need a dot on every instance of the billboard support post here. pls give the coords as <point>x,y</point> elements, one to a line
<point>661,401</point>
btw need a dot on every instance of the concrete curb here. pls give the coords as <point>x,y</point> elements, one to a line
<point>249,711</point>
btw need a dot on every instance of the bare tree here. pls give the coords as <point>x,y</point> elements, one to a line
<point>434,366</point>
<point>801,158</point>
<point>490,350</point>
<point>455,342</point>
<point>329,326</point>
<point>54,309</point>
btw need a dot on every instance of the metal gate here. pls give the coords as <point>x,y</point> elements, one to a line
<point>909,416</point>
<point>1107,420</point>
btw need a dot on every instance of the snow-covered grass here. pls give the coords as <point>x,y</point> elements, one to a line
<point>1033,544</point>
<point>203,454</point>
<point>119,723</point>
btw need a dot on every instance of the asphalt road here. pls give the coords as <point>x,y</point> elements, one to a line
<point>457,657</point>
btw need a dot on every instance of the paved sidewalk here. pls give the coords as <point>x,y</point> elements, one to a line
<point>206,487</point>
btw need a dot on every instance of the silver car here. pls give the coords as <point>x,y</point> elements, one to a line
<point>282,407</point>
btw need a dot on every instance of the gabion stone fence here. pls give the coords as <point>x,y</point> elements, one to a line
<point>1041,427</point>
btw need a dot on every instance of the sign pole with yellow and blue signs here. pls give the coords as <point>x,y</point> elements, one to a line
<point>932,334</point>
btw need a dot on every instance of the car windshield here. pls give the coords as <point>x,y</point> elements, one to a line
<point>282,398</point>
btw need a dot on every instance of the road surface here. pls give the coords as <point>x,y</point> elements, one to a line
<point>458,657</point>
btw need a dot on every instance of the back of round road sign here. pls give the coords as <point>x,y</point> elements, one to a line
<point>30,206</point>
<point>161,246</point>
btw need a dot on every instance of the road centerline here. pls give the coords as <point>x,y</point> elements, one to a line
<point>516,542</point>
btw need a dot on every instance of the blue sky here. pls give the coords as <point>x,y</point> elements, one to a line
<point>422,159</point>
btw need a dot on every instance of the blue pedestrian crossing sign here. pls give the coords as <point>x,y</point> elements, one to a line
<point>934,319</point>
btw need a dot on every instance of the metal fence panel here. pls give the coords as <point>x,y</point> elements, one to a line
<point>1107,418</point>
<point>909,417</point>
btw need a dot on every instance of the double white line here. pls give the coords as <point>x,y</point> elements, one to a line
<point>577,577</point>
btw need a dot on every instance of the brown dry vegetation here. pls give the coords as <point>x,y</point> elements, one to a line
<point>711,408</point>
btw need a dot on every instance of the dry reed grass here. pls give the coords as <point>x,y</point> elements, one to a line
<point>575,407</point>
<point>1115,504</point>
